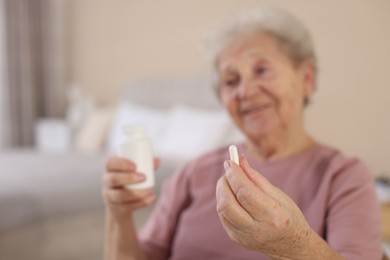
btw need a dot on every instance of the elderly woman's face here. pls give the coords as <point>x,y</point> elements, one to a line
<point>260,87</point>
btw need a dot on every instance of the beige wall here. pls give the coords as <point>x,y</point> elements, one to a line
<point>114,41</point>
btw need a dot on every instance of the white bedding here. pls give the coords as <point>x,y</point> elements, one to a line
<point>50,204</point>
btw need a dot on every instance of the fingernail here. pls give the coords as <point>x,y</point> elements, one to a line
<point>139,177</point>
<point>227,164</point>
<point>130,167</point>
<point>149,192</point>
<point>243,159</point>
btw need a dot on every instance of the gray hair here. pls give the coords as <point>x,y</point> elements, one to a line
<point>286,29</point>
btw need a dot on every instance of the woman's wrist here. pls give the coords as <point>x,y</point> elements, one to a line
<point>121,239</point>
<point>308,245</point>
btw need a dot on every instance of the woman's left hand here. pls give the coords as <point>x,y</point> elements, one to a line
<point>258,215</point>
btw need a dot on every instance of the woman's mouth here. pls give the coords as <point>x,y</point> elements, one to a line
<point>254,110</point>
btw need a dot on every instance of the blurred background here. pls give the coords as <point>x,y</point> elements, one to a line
<point>73,71</point>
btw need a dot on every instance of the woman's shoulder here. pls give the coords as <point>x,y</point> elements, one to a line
<point>335,162</point>
<point>334,155</point>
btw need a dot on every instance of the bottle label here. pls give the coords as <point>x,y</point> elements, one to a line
<point>140,152</point>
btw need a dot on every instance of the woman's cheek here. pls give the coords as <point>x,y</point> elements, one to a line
<point>230,104</point>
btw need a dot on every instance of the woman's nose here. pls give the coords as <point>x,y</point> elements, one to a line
<point>246,88</point>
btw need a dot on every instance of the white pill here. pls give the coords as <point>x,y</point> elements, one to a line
<point>234,154</point>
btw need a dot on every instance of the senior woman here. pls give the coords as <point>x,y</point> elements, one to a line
<point>290,197</point>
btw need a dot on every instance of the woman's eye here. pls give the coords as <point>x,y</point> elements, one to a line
<point>231,82</point>
<point>261,70</point>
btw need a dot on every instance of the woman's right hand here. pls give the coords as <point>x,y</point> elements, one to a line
<point>121,202</point>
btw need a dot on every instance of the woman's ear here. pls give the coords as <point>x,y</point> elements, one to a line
<point>308,78</point>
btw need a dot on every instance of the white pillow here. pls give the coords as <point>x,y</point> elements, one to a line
<point>91,135</point>
<point>128,113</point>
<point>191,132</point>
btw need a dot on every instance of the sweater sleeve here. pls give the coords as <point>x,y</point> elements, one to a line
<point>157,235</point>
<point>353,217</point>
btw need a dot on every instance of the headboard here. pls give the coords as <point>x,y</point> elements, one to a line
<point>183,115</point>
<point>165,93</point>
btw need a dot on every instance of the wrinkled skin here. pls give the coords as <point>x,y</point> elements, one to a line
<point>256,214</point>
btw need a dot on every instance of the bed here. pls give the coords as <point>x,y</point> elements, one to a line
<point>50,203</point>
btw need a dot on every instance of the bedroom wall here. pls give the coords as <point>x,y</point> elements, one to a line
<point>114,41</point>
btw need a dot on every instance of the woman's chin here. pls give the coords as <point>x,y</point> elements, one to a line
<point>256,133</point>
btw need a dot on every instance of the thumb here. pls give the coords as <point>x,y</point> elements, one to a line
<point>256,177</point>
<point>156,163</point>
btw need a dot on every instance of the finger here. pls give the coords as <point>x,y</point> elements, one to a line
<point>121,179</point>
<point>143,203</point>
<point>252,198</point>
<point>121,196</point>
<point>274,200</point>
<point>115,164</point>
<point>228,207</point>
<point>146,201</point>
<point>156,163</point>
<point>257,178</point>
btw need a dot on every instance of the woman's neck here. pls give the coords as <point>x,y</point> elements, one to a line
<point>280,145</point>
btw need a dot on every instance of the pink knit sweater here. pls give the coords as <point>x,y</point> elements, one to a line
<point>335,194</point>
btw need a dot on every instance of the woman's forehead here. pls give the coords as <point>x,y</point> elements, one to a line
<point>228,63</point>
<point>249,49</point>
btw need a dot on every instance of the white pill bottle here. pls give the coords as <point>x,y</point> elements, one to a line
<point>137,147</point>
